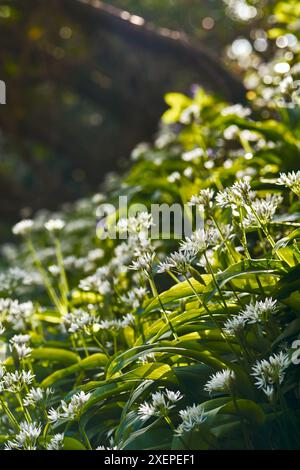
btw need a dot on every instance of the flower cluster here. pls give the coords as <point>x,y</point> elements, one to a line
<point>15,382</point>
<point>192,417</point>
<point>290,180</point>
<point>71,410</point>
<point>237,195</point>
<point>27,437</point>
<point>257,312</point>
<point>78,321</point>
<point>221,382</point>
<point>270,372</point>
<point>160,405</point>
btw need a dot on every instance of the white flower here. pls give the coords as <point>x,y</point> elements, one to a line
<point>270,372</point>
<point>236,110</point>
<point>237,195</point>
<point>234,325</point>
<point>145,411</point>
<point>107,448</point>
<point>23,227</point>
<point>97,282</point>
<point>2,371</point>
<point>15,277</point>
<point>134,297</point>
<point>15,313</point>
<point>286,85</point>
<point>54,225</point>
<point>22,350</point>
<point>143,263</point>
<point>2,328</point>
<point>56,442</point>
<point>173,396</point>
<point>78,320</point>
<point>134,225</point>
<point>31,430</point>
<point>290,180</point>
<point>20,339</point>
<point>147,358</point>
<point>192,417</point>
<point>265,210</point>
<point>26,438</point>
<point>188,172</point>
<point>53,415</point>
<point>200,241</point>
<point>158,399</point>
<point>179,261</point>
<point>192,155</point>
<point>18,342</point>
<point>204,198</point>
<point>54,270</point>
<point>116,324</point>
<point>161,403</point>
<point>74,408</point>
<point>226,199</point>
<point>269,391</point>
<point>189,114</point>
<point>259,311</point>
<point>15,381</point>
<point>79,225</point>
<point>220,382</point>
<point>127,320</point>
<point>95,255</point>
<point>175,176</point>
<point>37,395</point>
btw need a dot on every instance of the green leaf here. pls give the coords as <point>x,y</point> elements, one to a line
<point>180,291</point>
<point>55,355</point>
<point>287,284</point>
<point>247,409</point>
<point>73,444</point>
<point>92,362</point>
<point>154,371</point>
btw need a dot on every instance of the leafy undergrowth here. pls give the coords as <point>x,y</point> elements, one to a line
<point>140,343</point>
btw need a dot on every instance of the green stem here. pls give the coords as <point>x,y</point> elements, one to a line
<point>115,342</point>
<point>100,346</point>
<point>51,292</point>
<point>156,294</point>
<point>215,282</point>
<point>169,422</point>
<point>84,435</point>
<point>23,408</point>
<point>203,304</point>
<point>9,414</point>
<point>86,352</point>
<point>173,277</point>
<point>245,246</point>
<point>231,251</point>
<point>45,433</point>
<point>63,277</point>
<point>248,442</point>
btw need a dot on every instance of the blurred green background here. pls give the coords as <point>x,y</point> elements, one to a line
<point>82,93</point>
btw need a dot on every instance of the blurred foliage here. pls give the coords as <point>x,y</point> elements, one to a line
<point>80,98</point>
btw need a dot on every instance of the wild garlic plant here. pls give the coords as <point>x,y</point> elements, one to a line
<point>143,342</point>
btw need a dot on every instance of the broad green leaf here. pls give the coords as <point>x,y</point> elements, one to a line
<point>287,284</point>
<point>55,355</point>
<point>73,444</point>
<point>92,362</point>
